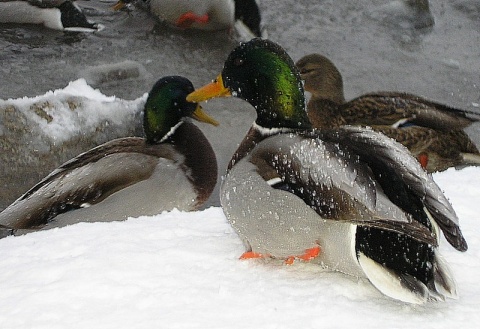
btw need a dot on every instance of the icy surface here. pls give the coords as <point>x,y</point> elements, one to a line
<point>76,109</point>
<point>181,270</point>
<point>37,134</point>
<point>439,62</point>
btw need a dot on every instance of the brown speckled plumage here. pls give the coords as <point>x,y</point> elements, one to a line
<point>423,126</point>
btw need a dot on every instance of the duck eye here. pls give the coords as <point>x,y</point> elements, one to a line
<point>305,71</point>
<point>238,61</point>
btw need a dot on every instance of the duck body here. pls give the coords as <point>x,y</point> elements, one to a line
<point>262,224</point>
<point>389,108</point>
<point>404,14</point>
<point>333,202</point>
<point>350,198</point>
<point>174,167</point>
<point>425,127</point>
<point>54,14</point>
<point>210,15</point>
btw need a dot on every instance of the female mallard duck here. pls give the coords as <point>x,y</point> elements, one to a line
<point>54,14</point>
<point>351,199</point>
<point>432,132</point>
<point>173,167</point>
<point>207,14</point>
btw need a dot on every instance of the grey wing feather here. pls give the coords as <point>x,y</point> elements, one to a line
<point>334,183</point>
<point>84,180</point>
<point>46,3</point>
<point>380,151</point>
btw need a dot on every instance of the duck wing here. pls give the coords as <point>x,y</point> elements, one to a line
<point>333,181</point>
<point>85,180</point>
<point>44,3</point>
<point>401,178</point>
<point>392,108</point>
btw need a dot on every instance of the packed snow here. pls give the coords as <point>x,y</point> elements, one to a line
<point>181,270</point>
<point>78,108</point>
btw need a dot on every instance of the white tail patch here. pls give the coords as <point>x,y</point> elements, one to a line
<point>444,282</point>
<point>274,181</point>
<point>391,284</point>
<point>470,158</point>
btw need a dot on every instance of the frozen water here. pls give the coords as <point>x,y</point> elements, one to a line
<point>370,56</point>
<point>40,133</point>
<point>111,73</point>
<point>77,109</point>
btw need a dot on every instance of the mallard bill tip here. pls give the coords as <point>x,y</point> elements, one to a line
<point>201,116</point>
<point>119,5</point>
<point>214,89</point>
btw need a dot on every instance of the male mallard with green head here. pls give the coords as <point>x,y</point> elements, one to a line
<point>351,199</point>
<point>174,166</point>
<point>54,14</point>
<point>431,131</point>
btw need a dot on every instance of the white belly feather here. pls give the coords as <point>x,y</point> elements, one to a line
<point>278,223</point>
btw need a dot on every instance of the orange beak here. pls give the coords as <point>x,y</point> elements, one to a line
<point>119,5</point>
<point>211,90</point>
<point>201,116</point>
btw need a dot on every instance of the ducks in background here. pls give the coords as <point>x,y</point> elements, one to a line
<point>243,15</point>
<point>40,133</point>
<point>350,199</point>
<point>54,14</point>
<point>432,132</point>
<point>404,14</point>
<point>174,166</point>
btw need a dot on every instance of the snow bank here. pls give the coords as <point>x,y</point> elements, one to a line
<point>181,270</point>
<point>76,109</point>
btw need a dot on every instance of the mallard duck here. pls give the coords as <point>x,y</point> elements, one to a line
<point>350,198</point>
<point>40,133</point>
<point>404,14</point>
<point>432,132</point>
<point>54,14</point>
<point>206,14</point>
<point>174,166</point>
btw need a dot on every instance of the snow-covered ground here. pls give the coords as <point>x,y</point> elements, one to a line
<point>181,270</point>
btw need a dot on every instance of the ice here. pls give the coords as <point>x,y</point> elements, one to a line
<point>111,73</point>
<point>40,133</point>
<point>77,109</point>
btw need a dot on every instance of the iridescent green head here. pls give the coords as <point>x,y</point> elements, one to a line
<point>166,107</point>
<point>262,73</point>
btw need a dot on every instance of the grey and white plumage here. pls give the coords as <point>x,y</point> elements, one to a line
<point>54,14</point>
<point>349,198</point>
<point>173,167</point>
<point>209,15</point>
<point>325,190</point>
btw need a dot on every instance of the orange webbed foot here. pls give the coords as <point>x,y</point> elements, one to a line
<point>423,159</point>
<point>252,255</point>
<point>307,256</point>
<point>186,20</point>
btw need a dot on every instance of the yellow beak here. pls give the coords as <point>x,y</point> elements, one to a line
<point>211,90</point>
<point>201,116</point>
<point>119,5</point>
